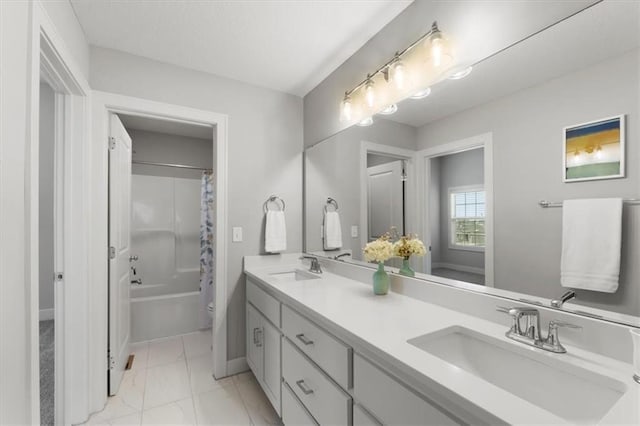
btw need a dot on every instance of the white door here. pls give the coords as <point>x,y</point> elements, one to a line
<point>385,200</point>
<point>119,250</point>
<point>272,373</point>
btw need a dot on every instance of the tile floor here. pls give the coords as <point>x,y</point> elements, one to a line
<point>170,382</point>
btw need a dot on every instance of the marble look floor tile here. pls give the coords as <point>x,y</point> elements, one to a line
<point>175,413</point>
<point>128,400</point>
<point>130,420</point>
<point>258,405</point>
<point>222,406</point>
<point>201,375</point>
<point>141,353</point>
<point>198,343</point>
<point>166,383</point>
<point>165,351</point>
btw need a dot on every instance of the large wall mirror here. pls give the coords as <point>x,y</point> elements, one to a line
<point>466,167</point>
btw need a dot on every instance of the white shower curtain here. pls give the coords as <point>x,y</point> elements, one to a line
<point>206,248</point>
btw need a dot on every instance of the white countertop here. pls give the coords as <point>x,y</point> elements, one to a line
<point>382,325</point>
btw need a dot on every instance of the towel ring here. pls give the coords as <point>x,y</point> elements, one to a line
<point>331,202</point>
<point>273,199</point>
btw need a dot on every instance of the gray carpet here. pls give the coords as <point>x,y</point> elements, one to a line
<point>47,373</point>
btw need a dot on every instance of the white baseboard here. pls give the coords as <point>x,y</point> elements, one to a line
<point>47,314</point>
<point>461,268</point>
<point>237,366</point>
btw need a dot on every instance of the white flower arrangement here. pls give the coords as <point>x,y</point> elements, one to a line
<point>407,246</point>
<point>379,250</point>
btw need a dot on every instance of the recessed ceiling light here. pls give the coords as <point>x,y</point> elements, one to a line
<point>461,74</point>
<point>421,94</point>
<point>389,110</point>
<point>366,122</point>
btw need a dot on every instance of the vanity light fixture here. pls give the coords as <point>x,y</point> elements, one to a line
<point>365,122</point>
<point>423,63</point>
<point>389,110</point>
<point>398,73</point>
<point>347,109</point>
<point>370,93</point>
<point>458,75</point>
<point>421,94</point>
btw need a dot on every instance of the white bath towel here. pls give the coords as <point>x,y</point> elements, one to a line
<point>332,231</point>
<point>591,239</point>
<point>275,233</point>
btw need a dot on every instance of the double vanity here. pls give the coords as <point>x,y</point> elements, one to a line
<point>326,350</point>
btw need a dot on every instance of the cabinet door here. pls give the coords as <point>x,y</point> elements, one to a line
<point>255,347</point>
<point>272,376</point>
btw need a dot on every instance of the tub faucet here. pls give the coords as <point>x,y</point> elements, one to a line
<point>138,281</point>
<point>557,303</point>
<point>338,257</point>
<point>315,264</point>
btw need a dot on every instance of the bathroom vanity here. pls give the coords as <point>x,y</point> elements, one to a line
<point>327,351</point>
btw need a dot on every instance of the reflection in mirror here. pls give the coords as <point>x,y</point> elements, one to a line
<point>477,156</point>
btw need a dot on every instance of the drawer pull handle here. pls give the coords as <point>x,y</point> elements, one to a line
<point>259,342</point>
<point>304,339</point>
<point>304,388</point>
<point>257,333</point>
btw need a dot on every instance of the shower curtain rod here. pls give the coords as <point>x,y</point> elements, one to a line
<point>178,166</point>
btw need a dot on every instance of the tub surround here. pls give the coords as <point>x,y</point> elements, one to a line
<point>378,328</point>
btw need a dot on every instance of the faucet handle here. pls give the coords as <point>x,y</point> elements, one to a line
<point>554,324</point>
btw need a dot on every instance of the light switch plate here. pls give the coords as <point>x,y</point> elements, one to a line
<point>236,234</point>
<point>354,231</point>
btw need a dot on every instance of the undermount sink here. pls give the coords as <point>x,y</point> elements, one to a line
<point>294,275</point>
<point>570,392</point>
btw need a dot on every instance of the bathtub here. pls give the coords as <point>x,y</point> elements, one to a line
<point>164,310</point>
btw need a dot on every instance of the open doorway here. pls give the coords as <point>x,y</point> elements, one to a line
<point>457,209</point>
<point>46,269</point>
<point>162,257</point>
<point>457,213</point>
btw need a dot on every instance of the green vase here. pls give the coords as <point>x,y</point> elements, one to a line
<point>406,268</point>
<point>380,280</point>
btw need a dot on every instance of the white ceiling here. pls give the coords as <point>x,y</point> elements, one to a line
<point>284,45</point>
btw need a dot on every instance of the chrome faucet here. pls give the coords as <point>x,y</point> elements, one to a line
<point>557,303</point>
<point>315,264</point>
<point>529,334</point>
<point>340,256</point>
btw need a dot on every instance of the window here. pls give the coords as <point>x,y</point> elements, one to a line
<point>467,213</point>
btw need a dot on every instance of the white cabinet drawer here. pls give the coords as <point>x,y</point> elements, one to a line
<point>328,404</point>
<point>268,305</point>
<point>390,401</point>
<point>293,413</point>
<point>333,356</point>
<point>362,418</point>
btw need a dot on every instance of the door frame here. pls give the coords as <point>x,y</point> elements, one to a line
<point>424,156</point>
<point>52,60</point>
<point>103,104</point>
<point>410,190</point>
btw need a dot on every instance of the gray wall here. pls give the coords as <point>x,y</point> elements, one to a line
<point>527,162</point>
<point>162,148</point>
<point>265,152</point>
<point>46,179</point>
<point>461,169</point>
<point>332,169</point>
<point>501,26</point>
<point>68,28</point>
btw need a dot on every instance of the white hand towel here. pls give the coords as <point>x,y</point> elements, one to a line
<point>591,239</point>
<point>275,233</point>
<point>332,231</point>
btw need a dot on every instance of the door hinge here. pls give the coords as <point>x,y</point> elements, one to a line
<point>58,276</point>
<point>112,252</point>
<point>111,361</point>
<point>112,142</point>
